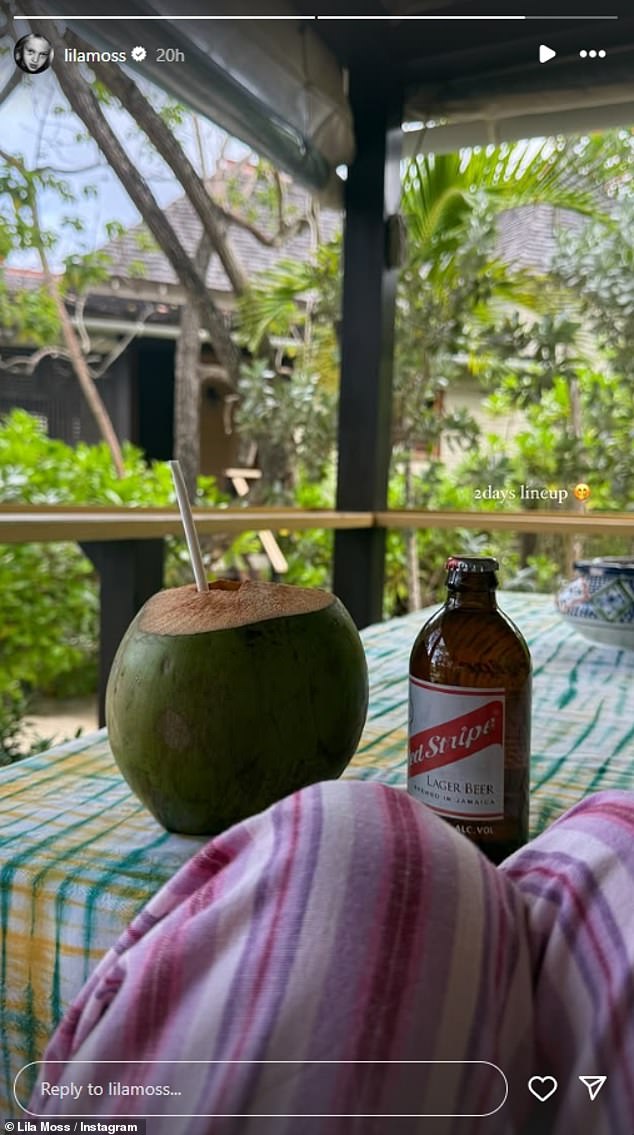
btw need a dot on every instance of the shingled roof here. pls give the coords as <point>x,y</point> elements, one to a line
<point>128,248</point>
<point>527,235</point>
<point>526,239</point>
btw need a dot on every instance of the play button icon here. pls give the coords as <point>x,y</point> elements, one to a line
<point>546,53</point>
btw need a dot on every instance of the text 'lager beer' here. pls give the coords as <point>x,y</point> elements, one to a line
<point>470,713</point>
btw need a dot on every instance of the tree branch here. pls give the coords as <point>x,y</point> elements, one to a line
<point>7,28</point>
<point>10,85</point>
<point>73,346</point>
<point>124,343</point>
<point>287,231</point>
<point>76,169</point>
<point>279,190</point>
<point>86,107</point>
<point>164,142</point>
<point>80,306</point>
<point>187,383</point>
<point>28,363</point>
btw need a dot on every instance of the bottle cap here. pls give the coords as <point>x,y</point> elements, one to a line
<point>472,564</point>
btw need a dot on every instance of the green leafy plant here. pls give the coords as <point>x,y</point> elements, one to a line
<point>292,421</point>
<point>48,591</point>
<point>309,553</point>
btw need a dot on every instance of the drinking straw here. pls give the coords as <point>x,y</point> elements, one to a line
<point>191,535</point>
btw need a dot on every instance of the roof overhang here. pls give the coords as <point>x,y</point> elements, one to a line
<point>281,85</point>
<point>273,84</point>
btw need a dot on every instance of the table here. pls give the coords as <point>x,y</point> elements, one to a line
<point>79,856</point>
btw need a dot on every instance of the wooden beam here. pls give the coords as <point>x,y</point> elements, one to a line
<point>22,524</point>
<point>248,474</point>
<point>558,523</point>
<point>367,341</point>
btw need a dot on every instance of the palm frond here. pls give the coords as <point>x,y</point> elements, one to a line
<point>439,191</point>
<point>271,305</point>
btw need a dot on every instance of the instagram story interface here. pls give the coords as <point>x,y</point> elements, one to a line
<point>316,569</point>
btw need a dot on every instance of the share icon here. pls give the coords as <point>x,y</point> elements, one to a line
<point>593,1084</point>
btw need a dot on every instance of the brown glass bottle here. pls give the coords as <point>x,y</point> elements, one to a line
<point>470,713</point>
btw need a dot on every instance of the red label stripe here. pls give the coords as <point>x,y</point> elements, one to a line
<point>453,740</point>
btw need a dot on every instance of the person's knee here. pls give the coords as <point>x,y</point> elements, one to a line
<point>610,811</point>
<point>380,820</point>
<point>607,799</point>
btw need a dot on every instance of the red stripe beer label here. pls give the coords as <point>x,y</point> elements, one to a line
<point>456,749</point>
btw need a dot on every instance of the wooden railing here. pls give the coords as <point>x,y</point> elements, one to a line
<point>46,523</point>
<point>558,523</point>
<point>126,545</point>
<point>19,524</point>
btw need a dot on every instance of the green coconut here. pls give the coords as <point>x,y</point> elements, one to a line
<point>221,702</point>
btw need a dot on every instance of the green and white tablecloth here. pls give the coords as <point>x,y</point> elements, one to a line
<point>79,855</point>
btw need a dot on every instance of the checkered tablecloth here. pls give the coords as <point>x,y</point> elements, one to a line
<point>79,855</point>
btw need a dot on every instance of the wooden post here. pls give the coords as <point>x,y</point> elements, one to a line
<point>129,572</point>
<point>367,342</point>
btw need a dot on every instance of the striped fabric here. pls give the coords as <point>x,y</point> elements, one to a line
<point>308,961</point>
<point>79,856</point>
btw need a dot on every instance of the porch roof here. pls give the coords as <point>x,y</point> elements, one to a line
<point>281,84</point>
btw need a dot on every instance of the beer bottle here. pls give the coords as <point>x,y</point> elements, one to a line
<point>470,713</point>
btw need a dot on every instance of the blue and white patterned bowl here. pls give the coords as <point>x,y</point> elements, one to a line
<point>599,601</point>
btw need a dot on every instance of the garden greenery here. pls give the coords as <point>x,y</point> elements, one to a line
<point>49,591</point>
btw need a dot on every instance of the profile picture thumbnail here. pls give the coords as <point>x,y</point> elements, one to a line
<point>33,53</point>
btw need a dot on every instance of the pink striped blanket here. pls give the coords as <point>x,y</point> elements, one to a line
<point>347,958</point>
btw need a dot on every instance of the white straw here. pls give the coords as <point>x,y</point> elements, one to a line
<point>191,535</point>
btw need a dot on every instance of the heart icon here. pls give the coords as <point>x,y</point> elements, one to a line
<point>542,1087</point>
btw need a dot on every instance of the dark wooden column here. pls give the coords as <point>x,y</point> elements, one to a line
<point>129,572</point>
<point>367,342</point>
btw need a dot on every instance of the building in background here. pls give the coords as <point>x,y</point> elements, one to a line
<point>142,302</point>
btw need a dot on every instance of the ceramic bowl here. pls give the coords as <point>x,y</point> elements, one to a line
<point>599,601</point>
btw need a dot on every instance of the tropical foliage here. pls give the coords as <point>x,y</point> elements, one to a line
<point>48,591</point>
<point>545,345</point>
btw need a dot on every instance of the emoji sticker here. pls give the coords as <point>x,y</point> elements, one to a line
<point>582,491</point>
